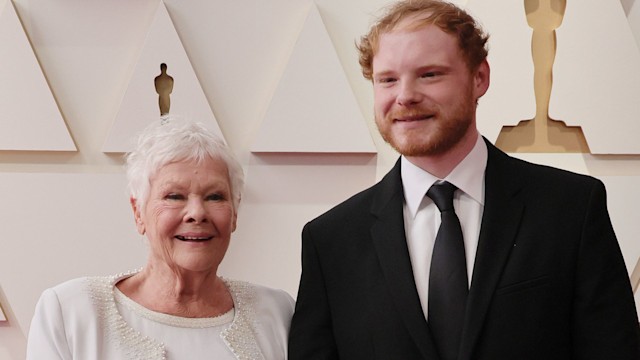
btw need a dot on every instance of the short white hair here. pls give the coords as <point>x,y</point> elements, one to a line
<point>174,139</point>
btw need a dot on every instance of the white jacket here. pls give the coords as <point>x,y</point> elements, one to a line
<point>81,319</point>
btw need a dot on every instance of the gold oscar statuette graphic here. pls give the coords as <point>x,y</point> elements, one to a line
<point>543,134</point>
<point>164,86</point>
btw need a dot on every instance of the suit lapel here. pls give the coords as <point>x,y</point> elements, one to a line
<point>390,243</point>
<point>500,222</point>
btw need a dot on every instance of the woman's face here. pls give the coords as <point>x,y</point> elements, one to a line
<point>189,215</point>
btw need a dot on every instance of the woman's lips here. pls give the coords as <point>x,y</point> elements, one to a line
<point>193,238</point>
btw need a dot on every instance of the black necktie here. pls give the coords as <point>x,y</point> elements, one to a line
<point>448,287</point>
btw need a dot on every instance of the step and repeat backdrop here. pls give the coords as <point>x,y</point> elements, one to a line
<point>279,80</point>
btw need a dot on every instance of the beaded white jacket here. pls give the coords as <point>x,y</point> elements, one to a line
<point>79,319</point>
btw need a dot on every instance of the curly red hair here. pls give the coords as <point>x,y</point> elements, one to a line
<point>449,18</point>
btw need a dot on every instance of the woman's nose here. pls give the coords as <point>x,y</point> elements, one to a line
<point>195,211</point>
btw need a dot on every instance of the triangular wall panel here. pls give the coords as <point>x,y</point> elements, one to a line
<point>596,76</point>
<point>313,109</point>
<point>140,106</point>
<point>31,119</point>
<point>511,95</point>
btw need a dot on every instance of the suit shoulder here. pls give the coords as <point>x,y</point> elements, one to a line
<point>544,174</point>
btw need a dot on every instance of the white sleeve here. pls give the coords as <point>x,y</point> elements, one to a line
<point>47,336</point>
<point>274,310</point>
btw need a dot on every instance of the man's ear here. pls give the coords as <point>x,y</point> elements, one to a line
<point>481,79</point>
<point>136,215</point>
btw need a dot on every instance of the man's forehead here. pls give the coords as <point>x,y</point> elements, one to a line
<point>413,22</point>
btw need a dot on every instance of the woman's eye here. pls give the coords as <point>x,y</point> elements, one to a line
<point>215,197</point>
<point>174,197</point>
<point>429,75</point>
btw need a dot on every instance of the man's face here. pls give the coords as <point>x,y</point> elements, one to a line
<point>424,94</point>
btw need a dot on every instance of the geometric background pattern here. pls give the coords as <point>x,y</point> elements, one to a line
<point>30,117</point>
<point>238,52</point>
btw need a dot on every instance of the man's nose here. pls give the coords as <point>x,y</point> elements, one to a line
<point>408,94</point>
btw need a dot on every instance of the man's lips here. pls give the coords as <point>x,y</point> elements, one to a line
<point>411,118</point>
<point>193,238</point>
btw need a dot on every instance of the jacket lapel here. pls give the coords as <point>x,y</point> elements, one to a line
<point>389,240</point>
<point>500,221</point>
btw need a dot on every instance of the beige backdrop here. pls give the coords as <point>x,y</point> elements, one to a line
<point>66,214</point>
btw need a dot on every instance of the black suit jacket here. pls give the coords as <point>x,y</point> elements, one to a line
<point>549,281</point>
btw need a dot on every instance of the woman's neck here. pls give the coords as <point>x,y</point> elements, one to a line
<point>178,292</point>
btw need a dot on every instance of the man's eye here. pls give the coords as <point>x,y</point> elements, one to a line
<point>386,80</point>
<point>429,75</point>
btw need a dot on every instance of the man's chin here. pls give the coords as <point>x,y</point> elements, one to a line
<point>420,152</point>
<point>423,148</point>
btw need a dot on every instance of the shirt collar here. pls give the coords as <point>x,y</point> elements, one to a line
<point>467,176</point>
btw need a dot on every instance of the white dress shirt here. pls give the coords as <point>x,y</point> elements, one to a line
<point>422,218</point>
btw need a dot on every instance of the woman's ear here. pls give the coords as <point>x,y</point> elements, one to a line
<point>235,215</point>
<point>136,215</point>
<point>235,220</point>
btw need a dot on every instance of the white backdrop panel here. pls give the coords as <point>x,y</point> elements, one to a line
<point>596,82</point>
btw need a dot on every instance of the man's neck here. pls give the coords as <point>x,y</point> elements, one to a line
<point>441,165</point>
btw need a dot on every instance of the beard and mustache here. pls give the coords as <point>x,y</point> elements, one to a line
<point>448,126</point>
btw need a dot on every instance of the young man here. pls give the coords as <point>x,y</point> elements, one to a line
<point>524,265</point>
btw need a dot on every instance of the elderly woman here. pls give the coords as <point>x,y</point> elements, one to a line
<point>185,190</point>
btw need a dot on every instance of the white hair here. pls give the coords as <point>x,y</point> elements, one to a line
<point>175,139</point>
